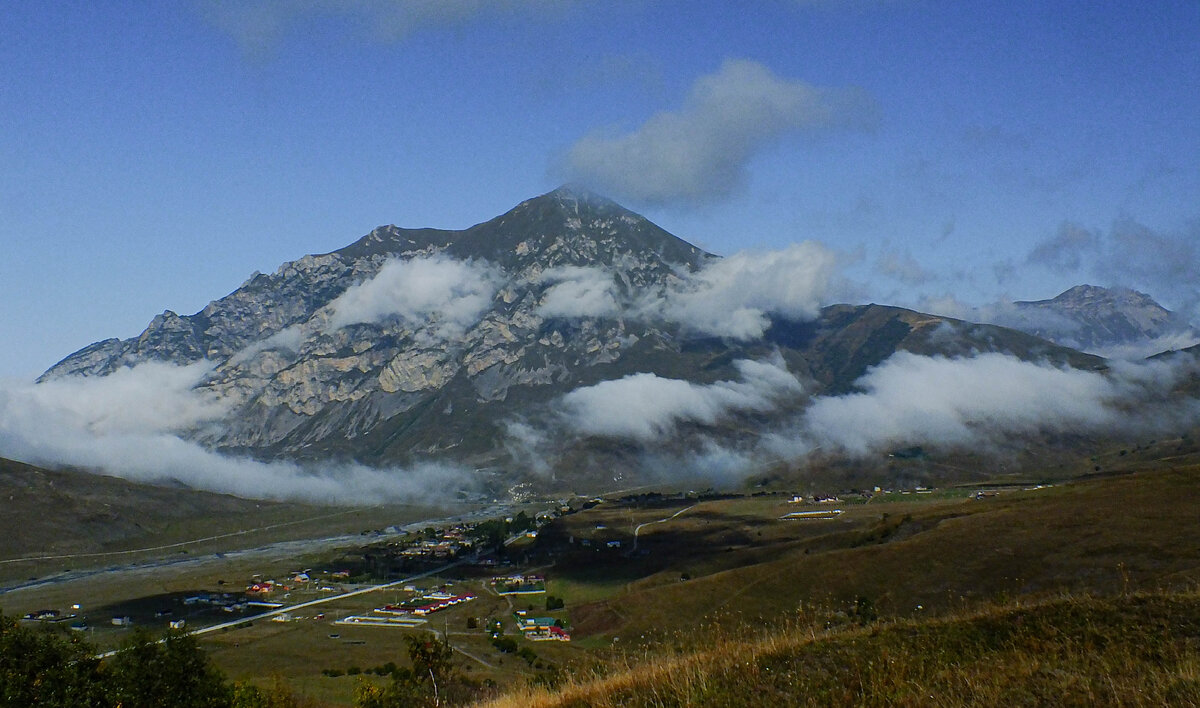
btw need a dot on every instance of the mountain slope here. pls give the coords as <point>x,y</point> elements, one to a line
<point>412,343</point>
<point>49,512</point>
<point>1106,321</point>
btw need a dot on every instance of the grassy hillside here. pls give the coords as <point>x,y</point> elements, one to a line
<point>68,511</point>
<point>1134,650</point>
<point>59,519</point>
<point>736,561</point>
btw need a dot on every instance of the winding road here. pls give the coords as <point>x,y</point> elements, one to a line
<point>639,527</point>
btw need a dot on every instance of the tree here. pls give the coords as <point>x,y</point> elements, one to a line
<point>171,672</point>
<point>276,695</point>
<point>429,682</point>
<point>39,668</point>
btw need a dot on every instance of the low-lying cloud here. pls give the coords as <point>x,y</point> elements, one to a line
<point>735,296</point>
<point>972,401</point>
<point>579,292</point>
<point>981,403</point>
<point>446,294</point>
<point>1173,334</point>
<point>955,402</point>
<point>130,424</point>
<point>700,152</point>
<point>646,407</point>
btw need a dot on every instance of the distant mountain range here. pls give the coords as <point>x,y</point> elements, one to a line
<point>1105,321</point>
<point>412,343</point>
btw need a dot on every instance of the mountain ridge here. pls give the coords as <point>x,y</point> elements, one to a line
<point>1109,321</point>
<point>563,292</point>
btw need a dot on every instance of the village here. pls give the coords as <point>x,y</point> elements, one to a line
<point>426,573</point>
<point>511,594</point>
<point>473,550</point>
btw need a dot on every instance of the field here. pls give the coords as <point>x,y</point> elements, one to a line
<point>1136,649</point>
<point>911,554</point>
<point>645,573</point>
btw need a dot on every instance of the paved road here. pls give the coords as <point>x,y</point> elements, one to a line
<point>311,603</point>
<point>283,548</point>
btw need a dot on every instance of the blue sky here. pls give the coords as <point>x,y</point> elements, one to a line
<point>156,154</point>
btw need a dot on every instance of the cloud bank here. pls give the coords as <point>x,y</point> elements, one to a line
<point>980,403</point>
<point>444,293</point>
<point>700,152</point>
<point>128,424</point>
<point>731,297</point>
<point>735,296</point>
<point>646,407</point>
<point>579,292</point>
<point>956,402</point>
<point>980,400</point>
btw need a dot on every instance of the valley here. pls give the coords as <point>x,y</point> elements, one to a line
<point>638,572</point>
<point>542,456</point>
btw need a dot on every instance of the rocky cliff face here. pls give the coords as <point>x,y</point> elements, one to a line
<point>303,380</point>
<point>1104,321</point>
<point>421,342</point>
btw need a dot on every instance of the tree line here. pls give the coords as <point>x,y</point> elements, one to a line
<point>39,667</point>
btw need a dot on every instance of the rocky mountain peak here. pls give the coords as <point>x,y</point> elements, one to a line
<point>1107,321</point>
<point>413,343</point>
<point>1094,295</point>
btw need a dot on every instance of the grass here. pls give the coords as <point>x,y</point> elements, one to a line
<point>57,520</point>
<point>732,567</point>
<point>1137,530</point>
<point>1141,649</point>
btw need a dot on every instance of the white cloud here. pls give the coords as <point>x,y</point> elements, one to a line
<point>1060,328</point>
<point>258,25</point>
<point>1005,314</point>
<point>1133,351</point>
<point>968,401</point>
<point>646,407</point>
<point>700,152</point>
<point>152,397</point>
<point>579,292</point>
<point>447,294</point>
<point>128,424</point>
<point>288,339</point>
<point>1132,255</point>
<point>734,296</point>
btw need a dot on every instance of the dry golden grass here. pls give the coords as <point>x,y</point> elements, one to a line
<point>1139,650</point>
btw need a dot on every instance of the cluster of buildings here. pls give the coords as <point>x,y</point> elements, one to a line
<point>412,612</point>
<point>541,629</point>
<point>446,544</point>
<point>426,604</point>
<point>519,584</point>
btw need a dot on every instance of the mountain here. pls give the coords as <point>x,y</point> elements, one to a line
<point>1105,321</point>
<point>417,343</point>
<point>65,511</point>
